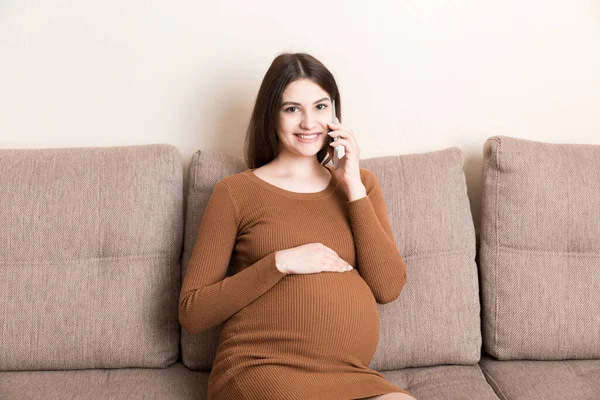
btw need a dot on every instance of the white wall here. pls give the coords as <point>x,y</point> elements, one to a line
<point>415,76</point>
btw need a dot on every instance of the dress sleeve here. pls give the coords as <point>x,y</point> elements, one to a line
<point>379,261</point>
<point>208,297</point>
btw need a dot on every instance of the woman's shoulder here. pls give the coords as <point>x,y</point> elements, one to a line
<point>369,179</point>
<point>367,176</point>
<point>366,173</point>
<point>234,181</point>
<point>229,189</point>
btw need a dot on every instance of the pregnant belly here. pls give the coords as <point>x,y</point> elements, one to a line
<point>331,316</point>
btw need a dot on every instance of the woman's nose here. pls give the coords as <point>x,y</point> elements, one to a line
<point>309,120</point>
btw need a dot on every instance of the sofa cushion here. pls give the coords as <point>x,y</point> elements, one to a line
<point>436,318</point>
<point>540,249</point>
<point>543,380</point>
<point>90,245</point>
<point>173,383</point>
<point>448,382</point>
<point>206,169</point>
<point>179,383</point>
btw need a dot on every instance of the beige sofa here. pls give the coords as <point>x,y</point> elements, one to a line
<point>94,243</point>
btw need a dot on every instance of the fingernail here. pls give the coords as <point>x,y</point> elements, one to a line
<point>349,267</point>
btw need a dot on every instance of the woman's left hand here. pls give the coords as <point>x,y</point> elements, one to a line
<point>348,171</point>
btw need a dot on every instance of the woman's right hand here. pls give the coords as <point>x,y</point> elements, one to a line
<point>310,259</point>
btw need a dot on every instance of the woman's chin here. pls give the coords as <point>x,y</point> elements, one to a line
<point>308,151</point>
<point>312,153</point>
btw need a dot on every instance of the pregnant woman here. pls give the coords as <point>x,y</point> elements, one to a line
<point>311,251</point>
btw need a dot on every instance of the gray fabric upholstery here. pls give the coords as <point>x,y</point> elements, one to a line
<point>175,382</point>
<point>206,169</point>
<point>436,319</point>
<point>90,245</point>
<point>90,273</point>
<point>447,382</point>
<point>179,383</point>
<point>543,380</point>
<point>540,250</point>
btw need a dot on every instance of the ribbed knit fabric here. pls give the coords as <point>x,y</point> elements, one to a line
<point>294,336</point>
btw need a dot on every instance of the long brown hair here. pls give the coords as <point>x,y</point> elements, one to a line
<point>262,144</point>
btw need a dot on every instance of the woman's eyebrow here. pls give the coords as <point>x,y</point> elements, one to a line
<point>298,104</point>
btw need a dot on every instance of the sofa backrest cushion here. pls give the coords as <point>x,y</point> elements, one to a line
<point>205,170</point>
<point>540,249</point>
<point>436,318</point>
<point>90,249</point>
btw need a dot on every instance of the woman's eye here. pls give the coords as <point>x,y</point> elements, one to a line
<point>290,108</point>
<point>322,108</point>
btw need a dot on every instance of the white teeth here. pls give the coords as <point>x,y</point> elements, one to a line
<point>308,136</point>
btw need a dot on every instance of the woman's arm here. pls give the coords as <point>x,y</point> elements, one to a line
<point>379,261</point>
<point>208,297</point>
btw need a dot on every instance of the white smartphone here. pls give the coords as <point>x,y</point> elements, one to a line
<point>338,151</point>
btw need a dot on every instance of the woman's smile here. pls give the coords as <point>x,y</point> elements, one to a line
<point>307,138</point>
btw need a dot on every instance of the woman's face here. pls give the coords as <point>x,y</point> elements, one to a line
<point>303,117</point>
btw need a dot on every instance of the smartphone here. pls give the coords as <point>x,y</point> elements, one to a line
<point>338,151</point>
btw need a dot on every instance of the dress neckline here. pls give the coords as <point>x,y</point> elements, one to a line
<point>333,182</point>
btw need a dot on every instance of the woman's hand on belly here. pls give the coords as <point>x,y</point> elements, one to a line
<point>310,259</point>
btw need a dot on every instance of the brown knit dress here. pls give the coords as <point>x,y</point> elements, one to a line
<point>295,336</point>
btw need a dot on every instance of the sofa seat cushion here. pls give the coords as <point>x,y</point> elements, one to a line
<point>175,382</point>
<point>448,382</point>
<point>540,250</point>
<point>436,319</point>
<point>543,380</point>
